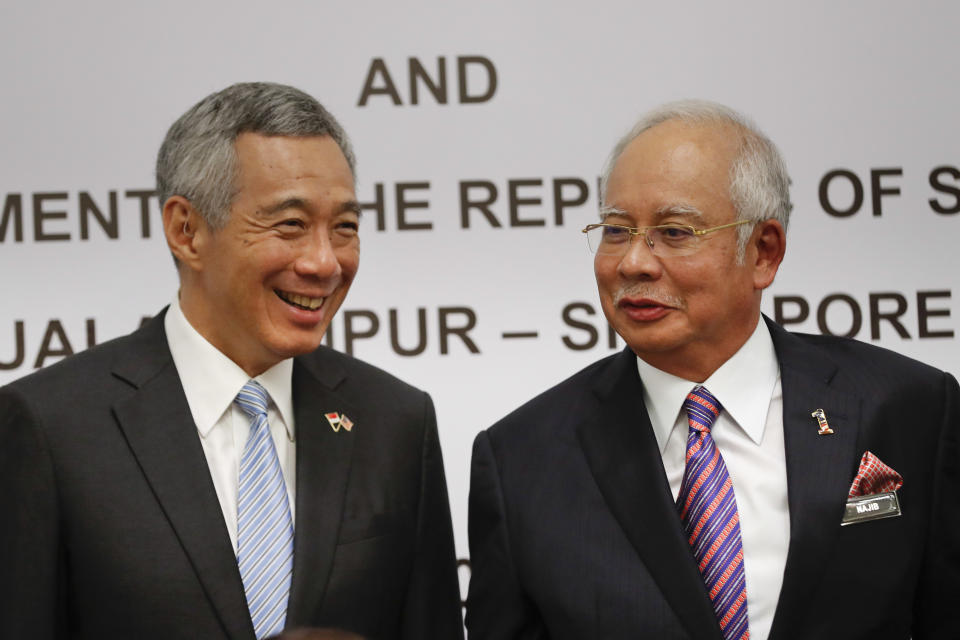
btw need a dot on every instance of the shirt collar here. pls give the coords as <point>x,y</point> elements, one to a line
<point>211,380</point>
<point>743,385</point>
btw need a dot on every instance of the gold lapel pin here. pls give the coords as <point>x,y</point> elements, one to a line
<point>822,421</point>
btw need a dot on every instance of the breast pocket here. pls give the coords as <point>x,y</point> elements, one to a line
<point>371,570</point>
<point>373,526</point>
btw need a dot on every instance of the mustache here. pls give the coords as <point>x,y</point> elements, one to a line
<point>649,291</point>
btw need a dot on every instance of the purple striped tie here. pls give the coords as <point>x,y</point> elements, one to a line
<point>708,510</point>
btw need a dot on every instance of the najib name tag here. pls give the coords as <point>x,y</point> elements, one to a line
<point>871,507</point>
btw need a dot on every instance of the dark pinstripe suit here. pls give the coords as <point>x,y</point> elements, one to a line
<point>573,531</point>
<point>112,529</point>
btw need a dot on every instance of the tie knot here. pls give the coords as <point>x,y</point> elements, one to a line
<point>702,409</point>
<point>252,399</point>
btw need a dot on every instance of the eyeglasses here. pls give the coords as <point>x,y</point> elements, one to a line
<point>665,240</point>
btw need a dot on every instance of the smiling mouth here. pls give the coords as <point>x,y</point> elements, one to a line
<point>300,302</point>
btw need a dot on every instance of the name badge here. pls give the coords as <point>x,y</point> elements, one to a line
<point>871,507</point>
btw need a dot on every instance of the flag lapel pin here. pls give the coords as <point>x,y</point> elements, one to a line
<point>822,422</point>
<point>334,419</point>
<point>338,420</point>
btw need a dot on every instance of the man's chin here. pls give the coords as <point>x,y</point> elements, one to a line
<point>297,343</point>
<point>648,340</point>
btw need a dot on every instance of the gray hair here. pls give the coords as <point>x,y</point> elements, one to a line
<point>759,184</point>
<point>198,158</point>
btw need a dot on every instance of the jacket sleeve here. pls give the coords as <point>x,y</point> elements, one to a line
<point>432,604</point>
<point>937,615</point>
<point>497,608</point>
<point>30,602</point>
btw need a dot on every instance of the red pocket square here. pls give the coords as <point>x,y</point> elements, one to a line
<point>874,477</point>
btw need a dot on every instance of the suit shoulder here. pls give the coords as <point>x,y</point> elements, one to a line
<point>77,370</point>
<point>872,365</point>
<point>868,355</point>
<point>360,375</point>
<point>534,416</point>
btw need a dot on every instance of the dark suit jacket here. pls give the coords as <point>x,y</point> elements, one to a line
<point>574,534</point>
<point>111,527</point>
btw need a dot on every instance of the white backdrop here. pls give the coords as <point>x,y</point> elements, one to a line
<point>864,88</point>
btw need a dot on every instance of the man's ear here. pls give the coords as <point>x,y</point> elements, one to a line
<point>768,246</point>
<point>185,230</point>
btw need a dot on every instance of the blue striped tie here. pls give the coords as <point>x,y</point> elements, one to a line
<point>264,526</point>
<point>708,509</point>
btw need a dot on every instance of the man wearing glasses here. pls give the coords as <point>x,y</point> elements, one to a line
<point>719,478</point>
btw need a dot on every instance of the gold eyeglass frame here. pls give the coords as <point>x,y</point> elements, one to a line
<point>637,231</point>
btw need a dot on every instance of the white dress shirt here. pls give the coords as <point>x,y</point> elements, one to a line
<point>211,381</point>
<point>749,435</point>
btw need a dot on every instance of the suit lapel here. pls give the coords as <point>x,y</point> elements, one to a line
<point>621,450</point>
<point>160,431</point>
<point>323,467</point>
<point>818,470</point>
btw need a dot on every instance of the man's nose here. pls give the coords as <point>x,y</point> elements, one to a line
<point>638,262</point>
<point>318,257</point>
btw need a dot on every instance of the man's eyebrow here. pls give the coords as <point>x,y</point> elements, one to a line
<point>349,206</point>
<point>679,209</point>
<point>607,211</point>
<point>283,205</point>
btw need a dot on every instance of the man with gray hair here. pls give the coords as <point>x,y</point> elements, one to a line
<point>720,477</point>
<point>219,473</point>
